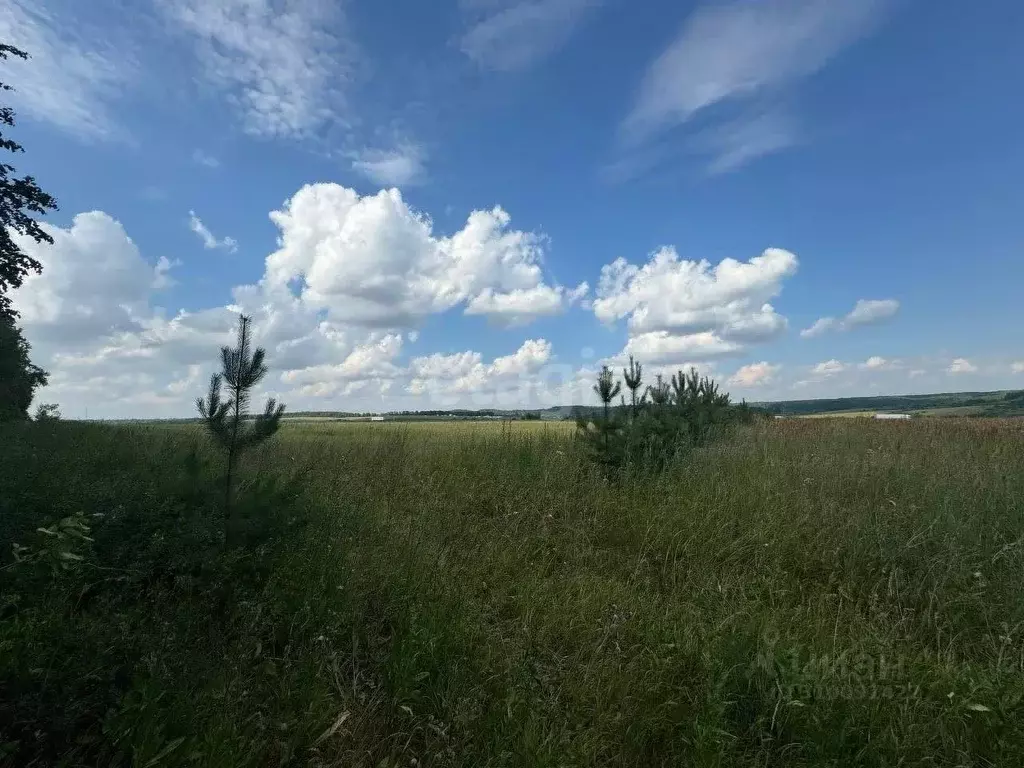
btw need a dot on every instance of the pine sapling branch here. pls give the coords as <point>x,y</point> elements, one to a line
<point>228,421</point>
<point>633,376</point>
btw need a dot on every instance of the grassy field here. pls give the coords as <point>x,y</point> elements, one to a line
<point>839,415</point>
<point>805,593</point>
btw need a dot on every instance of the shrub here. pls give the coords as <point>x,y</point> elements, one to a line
<point>658,427</point>
<point>48,412</point>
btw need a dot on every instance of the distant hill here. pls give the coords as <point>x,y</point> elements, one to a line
<point>1003,403</point>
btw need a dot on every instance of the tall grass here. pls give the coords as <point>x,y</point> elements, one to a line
<point>804,593</point>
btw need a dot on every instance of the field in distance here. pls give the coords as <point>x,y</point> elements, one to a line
<point>993,404</point>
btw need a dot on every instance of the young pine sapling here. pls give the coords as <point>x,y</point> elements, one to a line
<point>607,389</point>
<point>660,393</point>
<point>228,421</point>
<point>633,376</point>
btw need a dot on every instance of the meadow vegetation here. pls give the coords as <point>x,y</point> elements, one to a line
<point>798,593</point>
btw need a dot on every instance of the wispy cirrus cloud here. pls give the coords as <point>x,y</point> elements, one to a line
<point>744,55</point>
<point>743,141</point>
<point>285,66</point>
<point>401,166</point>
<point>508,35</point>
<point>864,312</point>
<point>71,80</point>
<point>210,241</point>
<point>205,159</point>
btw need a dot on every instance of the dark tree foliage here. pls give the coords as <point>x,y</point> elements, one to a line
<point>634,376</point>
<point>20,199</point>
<point>47,412</point>
<point>228,420</point>
<point>607,388</point>
<point>659,392</point>
<point>18,377</point>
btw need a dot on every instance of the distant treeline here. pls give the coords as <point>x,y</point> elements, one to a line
<point>995,401</point>
<point>458,413</point>
<point>988,403</point>
<point>329,414</point>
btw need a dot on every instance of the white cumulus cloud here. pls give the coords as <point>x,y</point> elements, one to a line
<point>665,349</point>
<point>341,299</point>
<point>1017,367</point>
<point>92,324</point>
<point>375,261</point>
<point>677,309</point>
<point>829,368</point>
<point>962,365</point>
<point>451,378</point>
<point>352,279</point>
<point>755,375</point>
<point>373,359</point>
<point>94,282</point>
<point>523,305</point>
<point>877,363</point>
<point>91,318</point>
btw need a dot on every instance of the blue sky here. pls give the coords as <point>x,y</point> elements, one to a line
<point>479,202</point>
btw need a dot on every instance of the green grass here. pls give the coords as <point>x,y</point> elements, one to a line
<point>806,593</point>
